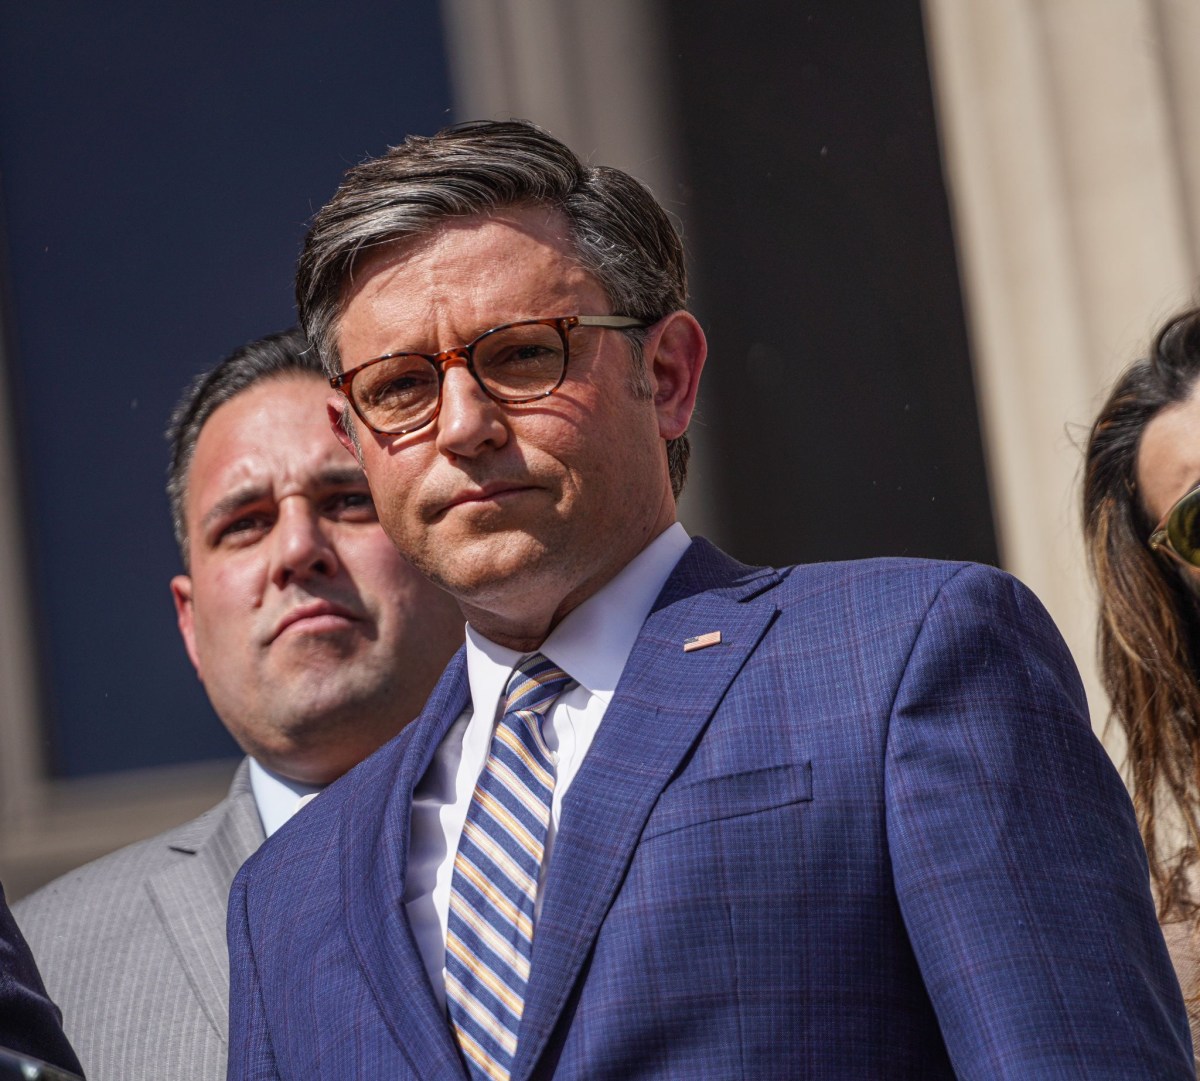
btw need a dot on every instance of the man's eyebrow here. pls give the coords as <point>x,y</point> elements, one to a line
<point>348,477</point>
<point>231,502</point>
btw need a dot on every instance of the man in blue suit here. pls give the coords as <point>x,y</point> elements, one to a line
<point>665,815</point>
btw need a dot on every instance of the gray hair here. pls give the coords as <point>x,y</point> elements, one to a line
<point>285,353</point>
<point>619,233</point>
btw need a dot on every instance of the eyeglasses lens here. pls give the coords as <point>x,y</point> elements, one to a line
<point>1183,528</point>
<point>514,364</point>
<point>520,362</point>
<point>397,393</point>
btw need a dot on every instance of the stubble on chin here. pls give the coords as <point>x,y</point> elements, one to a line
<point>484,568</point>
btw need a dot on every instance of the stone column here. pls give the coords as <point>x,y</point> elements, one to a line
<point>1071,144</point>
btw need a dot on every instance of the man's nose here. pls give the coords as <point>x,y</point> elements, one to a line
<point>468,421</point>
<point>301,546</point>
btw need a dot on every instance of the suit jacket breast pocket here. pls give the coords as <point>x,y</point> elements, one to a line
<point>710,799</point>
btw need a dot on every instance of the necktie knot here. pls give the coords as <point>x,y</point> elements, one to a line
<point>535,683</point>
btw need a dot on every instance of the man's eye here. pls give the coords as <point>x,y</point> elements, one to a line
<point>357,505</point>
<point>243,528</point>
<point>393,390</point>
<point>530,353</point>
<point>398,383</point>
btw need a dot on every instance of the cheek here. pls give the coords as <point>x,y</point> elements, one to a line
<point>398,526</point>
<point>395,485</point>
<point>562,443</point>
<point>376,567</point>
<point>422,615</point>
<point>227,594</point>
<point>615,452</point>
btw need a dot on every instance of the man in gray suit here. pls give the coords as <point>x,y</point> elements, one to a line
<point>316,642</point>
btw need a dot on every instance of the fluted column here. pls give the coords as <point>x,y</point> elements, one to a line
<point>21,766</point>
<point>1071,144</point>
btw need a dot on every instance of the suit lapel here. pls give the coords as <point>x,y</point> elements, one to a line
<point>191,897</point>
<point>375,836</point>
<point>661,706</point>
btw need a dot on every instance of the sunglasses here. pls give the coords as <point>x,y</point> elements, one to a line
<point>1178,533</point>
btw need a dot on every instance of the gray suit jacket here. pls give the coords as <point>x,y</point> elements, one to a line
<point>132,947</point>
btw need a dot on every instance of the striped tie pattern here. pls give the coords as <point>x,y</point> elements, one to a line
<point>489,938</point>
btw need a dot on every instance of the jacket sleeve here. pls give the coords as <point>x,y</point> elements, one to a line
<point>1016,857</point>
<point>29,1022</point>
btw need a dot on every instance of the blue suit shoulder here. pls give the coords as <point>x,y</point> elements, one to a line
<point>914,585</point>
<point>310,834</point>
<point>890,598</point>
<point>962,617</point>
<point>890,580</point>
<point>900,582</point>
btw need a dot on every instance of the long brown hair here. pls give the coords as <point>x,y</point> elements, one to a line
<point>1149,633</point>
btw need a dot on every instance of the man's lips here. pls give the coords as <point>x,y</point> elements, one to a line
<point>318,615</point>
<point>486,493</point>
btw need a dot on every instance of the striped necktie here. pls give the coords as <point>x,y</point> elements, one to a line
<point>489,938</point>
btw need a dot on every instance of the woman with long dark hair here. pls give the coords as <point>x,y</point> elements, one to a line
<point>1141,518</point>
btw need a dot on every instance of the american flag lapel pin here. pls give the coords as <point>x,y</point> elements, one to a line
<point>701,641</point>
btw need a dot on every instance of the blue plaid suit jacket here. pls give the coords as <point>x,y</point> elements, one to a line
<point>868,835</point>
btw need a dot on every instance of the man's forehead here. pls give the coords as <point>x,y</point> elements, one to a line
<point>271,437</point>
<point>537,220</point>
<point>512,227</point>
<point>471,275</point>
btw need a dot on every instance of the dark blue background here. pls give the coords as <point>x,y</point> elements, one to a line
<point>159,162</point>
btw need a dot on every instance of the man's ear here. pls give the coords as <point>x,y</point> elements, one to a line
<point>181,593</point>
<point>342,424</point>
<point>675,359</point>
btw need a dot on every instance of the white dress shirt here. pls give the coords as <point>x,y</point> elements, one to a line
<point>277,798</point>
<point>591,645</point>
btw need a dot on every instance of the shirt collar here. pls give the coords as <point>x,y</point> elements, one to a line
<point>594,641</point>
<point>277,798</point>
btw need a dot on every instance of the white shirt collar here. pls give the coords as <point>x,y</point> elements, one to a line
<point>593,641</point>
<point>277,798</point>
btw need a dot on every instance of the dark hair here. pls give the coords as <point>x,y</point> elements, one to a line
<point>285,353</point>
<point>1149,632</point>
<point>619,232</point>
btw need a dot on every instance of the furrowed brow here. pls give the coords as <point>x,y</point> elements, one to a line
<point>349,477</point>
<point>231,503</point>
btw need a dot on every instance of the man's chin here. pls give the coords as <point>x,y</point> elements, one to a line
<point>490,568</point>
<point>316,650</point>
<point>310,708</point>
